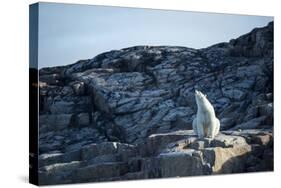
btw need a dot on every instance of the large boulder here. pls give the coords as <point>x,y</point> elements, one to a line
<point>226,153</point>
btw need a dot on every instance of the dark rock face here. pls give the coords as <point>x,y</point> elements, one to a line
<point>127,114</point>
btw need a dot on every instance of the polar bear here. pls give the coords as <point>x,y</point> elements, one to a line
<point>205,124</point>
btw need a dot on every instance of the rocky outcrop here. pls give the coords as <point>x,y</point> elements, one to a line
<point>258,43</point>
<point>127,114</point>
<point>173,154</point>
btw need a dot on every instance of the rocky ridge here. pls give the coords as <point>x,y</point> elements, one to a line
<point>127,114</point>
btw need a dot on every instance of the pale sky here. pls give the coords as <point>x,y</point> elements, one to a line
<point>68,32</point>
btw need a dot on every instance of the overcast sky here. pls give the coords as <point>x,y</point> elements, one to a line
<point>68,33</point>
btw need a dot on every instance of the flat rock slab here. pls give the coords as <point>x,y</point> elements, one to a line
<point>178,153</point>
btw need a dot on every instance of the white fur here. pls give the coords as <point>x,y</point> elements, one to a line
<point>205,124</point>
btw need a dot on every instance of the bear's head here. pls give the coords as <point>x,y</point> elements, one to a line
<point>200,97</point>
<point>202,102</point>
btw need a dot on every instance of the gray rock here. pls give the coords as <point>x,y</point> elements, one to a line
<point>59,107</point>
<point>227,123</point>
<point>227,160</point>
<point>260,41</point>
<point>266,109</point>
<point>233,93</point>
<point>128,113</point>
<point>50,78</point>
<point>174,154</point>
<point>57,173</point>
<point>156,142</point>
<point>182,123</point>
<point>54,122</point>
<point>108,148</point>
<point>178,112</point>
<point>76,146</point>
<point>269,96</point>
<point>104,159</point>
<point>167,164</point>
<point>79,88</point>
<point>252,124</point>
<point>60,167</point>
<point>47,159</point>
<point>99,171</point>
<point>226,141</point>
<point>80,120</point>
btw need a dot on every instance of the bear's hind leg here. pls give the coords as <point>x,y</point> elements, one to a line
<point>211,132</point>
<point>217,126</point>
<point>214,128</point>
<point>194,125</point>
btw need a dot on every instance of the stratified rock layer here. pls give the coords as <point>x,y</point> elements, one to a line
<point>127,114</point>
<point>173,154</point>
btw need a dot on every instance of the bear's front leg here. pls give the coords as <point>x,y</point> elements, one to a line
<point>200,129</point>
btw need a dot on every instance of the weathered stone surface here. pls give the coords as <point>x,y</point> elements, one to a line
<point>78,88</point>
<point>252,124</point>
<point>57,173</point>
<point>52,158</point>
<point>155,94</point>
<point>260,41</point>
<point>167,165</point>
<point>127,114</point>
<point>50,78</point>
<point>227,122</point>
<point>46,159</point>
<point>100,171</point>
<point>154,143</point>
<point>54,122</point>
<point>180,154</point>
<point>107,148</point>
<point>226,141</point>
<point>227,160</point>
